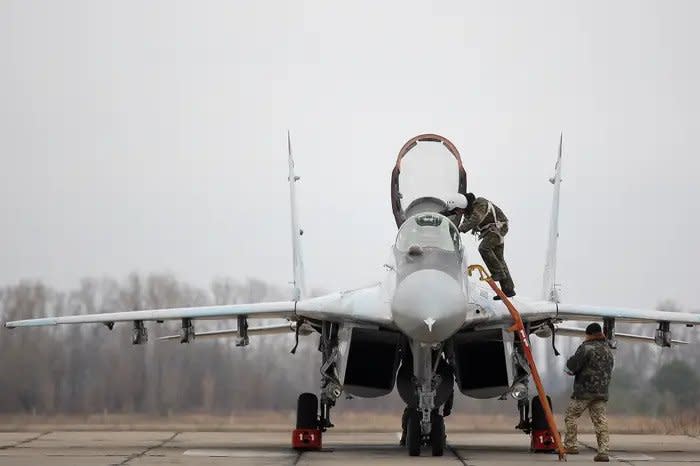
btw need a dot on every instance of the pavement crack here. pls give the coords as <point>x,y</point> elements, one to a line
<point>5,447</point>
<point>298,458</point>
<point>454,452</point>
<point>154,447</point>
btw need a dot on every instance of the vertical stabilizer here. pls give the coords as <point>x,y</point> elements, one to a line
<point>549,286</point>
<point>298,261</point>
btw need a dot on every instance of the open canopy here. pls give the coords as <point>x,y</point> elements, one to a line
<point>428,169</point>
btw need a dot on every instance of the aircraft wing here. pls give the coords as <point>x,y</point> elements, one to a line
<point>365,306</point>
<point>577,312</point>
<point>580,332</point>
<point>283,309</point>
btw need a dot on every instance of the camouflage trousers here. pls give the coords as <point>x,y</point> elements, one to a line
<point>596,409</point>
<point>491,250</point>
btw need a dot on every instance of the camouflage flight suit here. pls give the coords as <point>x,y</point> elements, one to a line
<point>491,232</point>
<point>592,366</point>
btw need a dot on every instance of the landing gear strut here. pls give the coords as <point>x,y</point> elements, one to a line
<point>524,412</point>
<point>423,424</point>
<point>331,389</point>
<point>313,418</point>
<point>522,381</point>
<point>426,382</point>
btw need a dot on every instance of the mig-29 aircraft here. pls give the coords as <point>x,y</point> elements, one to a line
<point>425,327</point>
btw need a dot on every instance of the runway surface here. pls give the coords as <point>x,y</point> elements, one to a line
<point>261,448</point>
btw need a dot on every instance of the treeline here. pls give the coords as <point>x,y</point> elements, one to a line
<point>89,369</point>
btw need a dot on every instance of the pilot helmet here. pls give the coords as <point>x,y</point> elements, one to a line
<point>456,201</point>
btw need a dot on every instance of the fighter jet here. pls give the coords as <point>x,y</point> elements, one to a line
<point>427,327</point>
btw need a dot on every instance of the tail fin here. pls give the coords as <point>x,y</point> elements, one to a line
<point>549,286</point>
<point>298,260</point>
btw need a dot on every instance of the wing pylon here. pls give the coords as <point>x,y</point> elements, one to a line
<point>276,329</point>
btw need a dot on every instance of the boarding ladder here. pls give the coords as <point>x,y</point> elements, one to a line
<point>519,328</point>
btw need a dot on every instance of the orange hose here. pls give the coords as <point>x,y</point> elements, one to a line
<point>519,327</point>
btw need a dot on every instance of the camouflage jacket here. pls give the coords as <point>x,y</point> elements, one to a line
<point>480,216</point>
<point>592,366</point>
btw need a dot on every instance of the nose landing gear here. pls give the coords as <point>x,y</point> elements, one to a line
<point>431,383</point>
<point>415,438</point>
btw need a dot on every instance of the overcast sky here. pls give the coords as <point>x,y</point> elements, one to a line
<point>151,136</point>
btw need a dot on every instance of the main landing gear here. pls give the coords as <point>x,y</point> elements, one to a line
<point>519,328</point>
<point>313,418</point>
<point>537,427</point>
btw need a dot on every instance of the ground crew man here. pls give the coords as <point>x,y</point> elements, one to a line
<point>484,218</point>
<point>592,366</point>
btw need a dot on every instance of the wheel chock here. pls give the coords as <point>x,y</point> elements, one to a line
<point>306,439</point>
<point>542,441</point>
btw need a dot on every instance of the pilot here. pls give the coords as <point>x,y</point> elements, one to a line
<point>592,366</point>
<point>486,219</point>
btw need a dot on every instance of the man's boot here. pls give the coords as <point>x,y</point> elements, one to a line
<point>507,286</point>
<point>507,290</point>
<point>572,451</point>
<point>601,458</point>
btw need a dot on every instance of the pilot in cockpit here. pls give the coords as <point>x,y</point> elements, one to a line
<point>487,220</point>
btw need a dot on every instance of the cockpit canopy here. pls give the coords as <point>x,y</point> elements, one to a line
<point>428,230</point>
<point>428,170</point>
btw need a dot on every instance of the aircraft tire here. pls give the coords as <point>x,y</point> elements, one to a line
<point>437,435</point>
<point>307,411</point>
<point>539,418</point>
<point>413,434</point>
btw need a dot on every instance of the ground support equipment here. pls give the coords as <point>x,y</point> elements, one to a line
<point>307,435</point>
<point>519,328</point>
<point>541,437</point>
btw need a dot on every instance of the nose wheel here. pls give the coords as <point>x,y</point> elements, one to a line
<point>413,434</point>
<point>415,439</point>
<point>437,435</point>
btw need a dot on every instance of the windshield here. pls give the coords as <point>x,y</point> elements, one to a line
<point>428,231</point>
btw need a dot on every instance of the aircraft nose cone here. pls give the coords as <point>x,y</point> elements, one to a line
<point>429,306</point>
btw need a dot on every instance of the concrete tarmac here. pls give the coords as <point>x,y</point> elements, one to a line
<point>262,448</point>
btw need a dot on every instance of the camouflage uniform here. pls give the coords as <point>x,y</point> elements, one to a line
<point>592,366</point>
<point>491,232</point>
